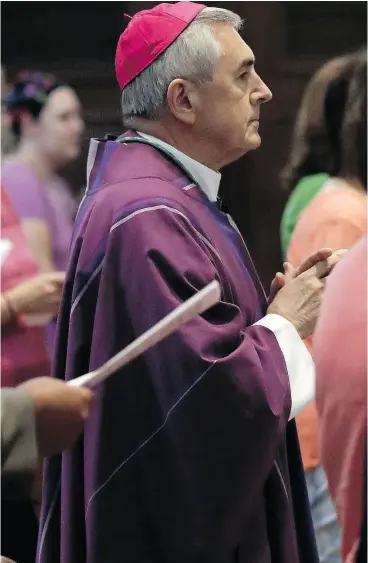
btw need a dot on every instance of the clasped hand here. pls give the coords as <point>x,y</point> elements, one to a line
<point>297,293</point>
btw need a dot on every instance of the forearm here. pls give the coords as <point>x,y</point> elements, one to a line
<point>39,242</point>
<point>8,314</point>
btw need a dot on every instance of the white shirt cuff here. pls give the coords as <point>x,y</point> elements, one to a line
<point>298,360</point>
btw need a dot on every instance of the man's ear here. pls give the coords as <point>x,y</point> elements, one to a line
<point>182,100</point>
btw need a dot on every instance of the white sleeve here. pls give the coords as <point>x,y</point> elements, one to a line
<point>298,360</point>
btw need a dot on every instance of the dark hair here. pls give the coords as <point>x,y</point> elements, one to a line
<point>316,139</point>
<point>29,94</point>
<point>354,127</point>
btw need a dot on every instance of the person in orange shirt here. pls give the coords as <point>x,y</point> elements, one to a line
<point>336,218</point>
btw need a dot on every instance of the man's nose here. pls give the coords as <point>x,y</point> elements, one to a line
<point>262,93</point>
<point>266,94</point>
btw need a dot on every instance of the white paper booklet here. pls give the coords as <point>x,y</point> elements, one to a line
<point>196,305</point>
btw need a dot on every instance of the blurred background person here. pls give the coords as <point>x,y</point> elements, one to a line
<point>26,295</point>
<point>335,218</point>
<point>315,153</point>
<point>340,354</point>
<point>315,156</point>
<point>46,120</point>
<point>23,294</point>
<point>39,418</point>
<point>24,355</point>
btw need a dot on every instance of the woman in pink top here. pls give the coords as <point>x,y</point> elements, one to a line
<point>24,294</point>
<point>340,354</point>
<point>46,120</point>
<point>337,217</point>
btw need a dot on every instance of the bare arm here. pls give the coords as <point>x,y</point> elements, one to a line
<point>38,238</point>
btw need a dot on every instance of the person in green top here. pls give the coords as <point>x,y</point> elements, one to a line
<point>315,151</point>
<point>305,190</point>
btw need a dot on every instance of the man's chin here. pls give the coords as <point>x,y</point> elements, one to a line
<point>253,142</point>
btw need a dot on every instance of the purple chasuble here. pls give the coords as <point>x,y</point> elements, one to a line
<point>186,456</point>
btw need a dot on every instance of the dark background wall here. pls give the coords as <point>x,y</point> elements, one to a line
<point>290,39</point>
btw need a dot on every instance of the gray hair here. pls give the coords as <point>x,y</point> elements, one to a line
<point>194,56</point>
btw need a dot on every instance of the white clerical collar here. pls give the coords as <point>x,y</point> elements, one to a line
<point>208,180</point>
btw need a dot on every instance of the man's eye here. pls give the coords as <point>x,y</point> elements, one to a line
<point>244,76</point>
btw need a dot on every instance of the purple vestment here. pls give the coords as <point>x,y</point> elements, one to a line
<point>185,458</point>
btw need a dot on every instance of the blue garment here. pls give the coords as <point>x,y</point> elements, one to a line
<point>326,526</point>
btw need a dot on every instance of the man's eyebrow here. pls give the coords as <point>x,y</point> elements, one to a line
<point>247,63</point>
